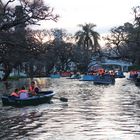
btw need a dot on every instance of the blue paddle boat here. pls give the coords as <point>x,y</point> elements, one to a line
<point>41,97</point>
<point>88,78</point>
<point>104,79</point>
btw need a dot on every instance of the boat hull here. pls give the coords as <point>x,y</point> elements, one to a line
<point>88,78</point>
<point>42,97</point>
<point>119,74</point>
<point>105,80</point>
<point>75,77</point>
<point>137,82</point>
<point>55,76</point>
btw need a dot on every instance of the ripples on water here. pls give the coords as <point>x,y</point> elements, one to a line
<point>92,113</point>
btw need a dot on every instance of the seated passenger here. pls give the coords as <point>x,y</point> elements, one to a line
<point>15,93</point>
<point>33,89</point>
<point>101,72</point>
<point>23,93</point>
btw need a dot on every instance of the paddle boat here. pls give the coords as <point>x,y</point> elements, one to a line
<point>75,76</point>
<point>65,74</point>
<point>137,81</point>
<point>57,75</point>
<point>88,78</point>
<point>104,79</point>
<point>119,74</point>
<point>40,98</point>
<point>133,75</point>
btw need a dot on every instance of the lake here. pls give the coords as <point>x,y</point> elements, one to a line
<point>93,112</point>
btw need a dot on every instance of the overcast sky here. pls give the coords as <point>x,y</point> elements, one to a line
<point>104,13</point>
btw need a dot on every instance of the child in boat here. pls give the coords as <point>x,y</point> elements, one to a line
<point>15,93</point>
<point>23,93</point>
<point>33,89</point>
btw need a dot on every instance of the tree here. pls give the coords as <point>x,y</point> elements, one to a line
<point>33,12</point>
<point>87,37</point>
<point>13,43</point>
<point>37,50</point>
<point>117,41</point>
<point>11,52</point>
<point>124,41</point>
<point>63,47</point>
<point>47,54</point>
<point>135,36</point>
<point>87,40</point>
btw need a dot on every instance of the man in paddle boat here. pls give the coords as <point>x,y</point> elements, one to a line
<point>33,89</point>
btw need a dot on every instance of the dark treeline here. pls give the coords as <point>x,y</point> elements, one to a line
<point>36,50</point>
<point>124,41</point>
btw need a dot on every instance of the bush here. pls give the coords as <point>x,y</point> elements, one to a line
<point>15,77</point>
<point>134,67</point>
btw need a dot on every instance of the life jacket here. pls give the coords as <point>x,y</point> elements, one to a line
<point>101,71</point>
<point>23,91</point>
<point>14,94</point>
<point>32,90</point>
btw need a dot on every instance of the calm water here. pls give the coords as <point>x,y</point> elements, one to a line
<point>92,113</point>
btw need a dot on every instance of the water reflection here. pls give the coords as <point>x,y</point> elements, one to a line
<point>92,113</point>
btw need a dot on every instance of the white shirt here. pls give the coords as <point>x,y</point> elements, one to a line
<point>24,95</point>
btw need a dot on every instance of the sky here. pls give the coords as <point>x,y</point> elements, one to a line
<point>104,13</point>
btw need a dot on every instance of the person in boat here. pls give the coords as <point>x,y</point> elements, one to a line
<point>78,75</point>
<point>101,72</point>
<point>138,74</point>
<point>33,89</point>
<point>23,93</point>
<point>112,74</point>
<point>15,93</point>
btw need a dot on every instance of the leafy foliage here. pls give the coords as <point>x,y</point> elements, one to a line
<point>87,40</point>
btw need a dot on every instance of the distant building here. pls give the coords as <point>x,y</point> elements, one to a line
<point>117,64</point>
<point>111,64</point>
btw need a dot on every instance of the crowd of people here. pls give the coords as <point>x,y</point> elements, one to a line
<point>103,72</point>
<point>24,93</point>
<point>134,74</point>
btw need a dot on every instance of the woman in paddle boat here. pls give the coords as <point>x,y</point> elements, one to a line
<point>33,89</point>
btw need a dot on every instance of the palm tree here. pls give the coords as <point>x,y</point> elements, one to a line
<point>88,38</point>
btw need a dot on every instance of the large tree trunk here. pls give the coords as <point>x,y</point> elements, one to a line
<point>7,71</point>
<point>137,60</point>
<point>31,71</point>
<point>6,75</point>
